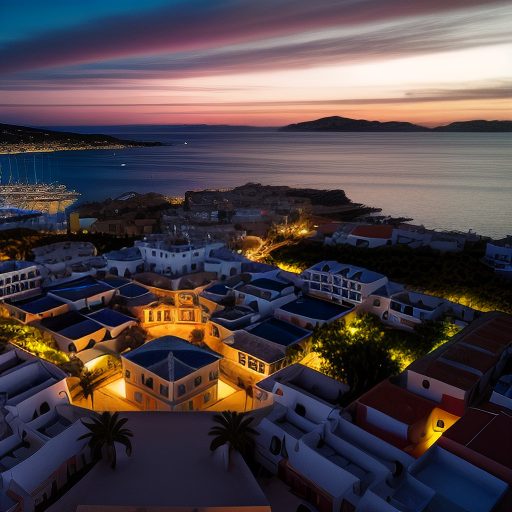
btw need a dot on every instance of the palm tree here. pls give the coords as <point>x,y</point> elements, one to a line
<point>105,431</point>
<point>234,429</point>
<point>89,382</point>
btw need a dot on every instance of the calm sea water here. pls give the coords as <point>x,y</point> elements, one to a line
<point>449,181</point>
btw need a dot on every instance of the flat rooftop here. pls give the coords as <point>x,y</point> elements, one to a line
<point>315,309</point>
<point>72,325</point>
<point>306,379</point>
<point>257,347</point>
<point>397,403</point>
<point>80,289</point>
<point>128,254</point>
<point>486,433</point>
<point>279,332</point>
<point>110,317</point>
<point>270,284</point>
<point>132,291</point>
<point>162,442</point>
<point>155,356</point>
<point>37,305</point>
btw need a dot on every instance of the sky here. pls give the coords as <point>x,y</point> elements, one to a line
<point>253,62</point>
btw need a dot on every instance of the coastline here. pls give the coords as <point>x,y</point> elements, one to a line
<point>20,151</point>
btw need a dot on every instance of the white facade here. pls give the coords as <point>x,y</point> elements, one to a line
<point>342,283</point>
<point>125,262</point>
<point>164,256</point>
<point>498,254</point>
<point>19,279</point>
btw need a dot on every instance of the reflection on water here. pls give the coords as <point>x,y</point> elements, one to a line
<point>451,181</point>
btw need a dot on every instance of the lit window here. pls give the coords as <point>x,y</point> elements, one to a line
<point>241,358</point>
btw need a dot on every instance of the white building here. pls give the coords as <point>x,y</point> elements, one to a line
<point>165,255</point>
<point>83,293</point>
<point>338,282</point>
<point>68,260</point>
<point>264,292</point>
<point>125,262</point>
<point>498,254</point>
<point>20,279</point>
<point>170,374</point>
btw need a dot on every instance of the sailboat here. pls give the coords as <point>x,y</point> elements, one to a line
<point>46,197</point>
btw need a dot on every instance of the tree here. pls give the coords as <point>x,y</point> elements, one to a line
<point>197,337</point>
<point>234,428</point>
<point>89,382</point>
<point>357,353</point>
<point>105,431</point>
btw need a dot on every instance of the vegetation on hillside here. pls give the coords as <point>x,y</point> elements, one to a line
<point>460,277</point>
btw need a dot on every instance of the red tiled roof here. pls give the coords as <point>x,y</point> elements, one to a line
<point>495,335</point>
<point>398,403</point>
<point>486,433</point>
<point>444,372</point>
<point>470,357</point>
<point>380,231</point>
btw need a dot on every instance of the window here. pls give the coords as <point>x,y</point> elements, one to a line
<point>241,358</point>
<point>440,424</point>
<point>127,374</point>
<point>253,364</point>
<point>45,407</point>
<point>148,382</point>
<point>193,266</point>
<point>164,390</point>
<point>167,315</point>
<point>181,389</point>
<point>153,253</point>
<point>215,331</point>
<point>150,316</point>
<point>197,381</point>
<point>275,445</point>
<point>158,316</point>
<point>376,303</point>
<point>138,397</point>
<point>213,375</point>
<point>207,397</point>
<point>425,384</point>
<point>190,405</point>
<point>300,410</point>
<point>261,367</point>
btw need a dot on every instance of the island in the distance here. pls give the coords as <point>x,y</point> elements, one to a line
<point>21,139</point>
<point>345,124</point>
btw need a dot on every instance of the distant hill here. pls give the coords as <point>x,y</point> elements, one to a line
<point>345,124</point>
<point>15,138</point>
<point>476,126</point>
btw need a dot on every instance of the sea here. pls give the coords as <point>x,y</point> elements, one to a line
<point>447,181</point>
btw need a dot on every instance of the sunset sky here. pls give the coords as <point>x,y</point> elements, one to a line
<point>257,62</point>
